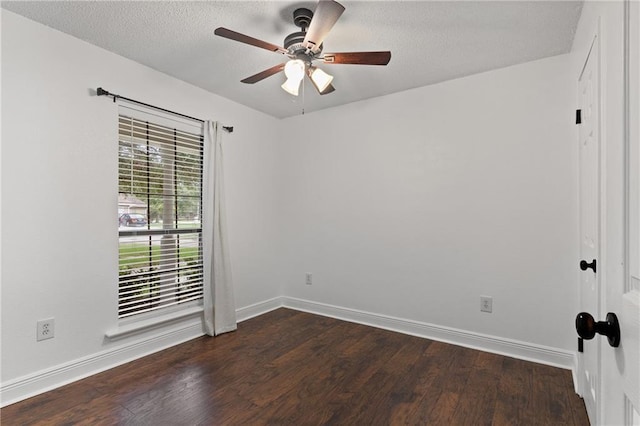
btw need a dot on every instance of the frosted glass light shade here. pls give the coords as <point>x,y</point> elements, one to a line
<point>291,86</point>
<point>294,70</point>
<point>320,78</point>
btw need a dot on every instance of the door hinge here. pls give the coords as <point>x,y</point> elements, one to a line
<point>578,116</point>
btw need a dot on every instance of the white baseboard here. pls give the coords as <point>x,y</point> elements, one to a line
<point>512,348</point>
<point>60,375</point>
<point>257,309</point>
<point>51,378</point>
<point>45,380</point>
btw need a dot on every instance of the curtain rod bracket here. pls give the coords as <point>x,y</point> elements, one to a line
<point>229,129</point>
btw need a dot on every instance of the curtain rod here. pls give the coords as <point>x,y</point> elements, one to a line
<point>101,92</point>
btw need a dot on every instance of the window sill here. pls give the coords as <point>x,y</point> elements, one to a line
<point>144,325</point>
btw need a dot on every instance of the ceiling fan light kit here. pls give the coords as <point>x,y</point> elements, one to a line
<point>319,78</point>
<point>292,87</point>
<point>304,46</point>
<point>294,70</point>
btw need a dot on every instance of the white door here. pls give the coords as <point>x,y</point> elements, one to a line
<point>589,150</point>
<point>621,366</point>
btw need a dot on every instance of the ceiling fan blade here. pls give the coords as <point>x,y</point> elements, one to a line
<point>358,58</point>
<point>326,15</point>
<point>232,35</point>
<point>264,74</point>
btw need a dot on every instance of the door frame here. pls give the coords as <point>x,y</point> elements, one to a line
<point>631,149</point>
<point>631,85</point>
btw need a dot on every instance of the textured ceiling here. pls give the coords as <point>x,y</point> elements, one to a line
<point>430,41</point>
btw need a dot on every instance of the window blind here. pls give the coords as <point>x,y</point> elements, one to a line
<point>160,214</point>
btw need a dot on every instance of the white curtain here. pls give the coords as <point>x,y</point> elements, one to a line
<point>219,303</point>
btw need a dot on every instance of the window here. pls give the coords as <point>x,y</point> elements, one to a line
<point>159,212</point>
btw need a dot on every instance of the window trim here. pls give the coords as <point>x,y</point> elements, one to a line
<point>144,324</point>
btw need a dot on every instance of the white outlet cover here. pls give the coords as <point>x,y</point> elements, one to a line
<point>45,329</point>
<point>486,304</point>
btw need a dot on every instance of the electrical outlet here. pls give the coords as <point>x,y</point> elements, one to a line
<point>486,304</point>
<point>45,329</point>
<point>309,280</point>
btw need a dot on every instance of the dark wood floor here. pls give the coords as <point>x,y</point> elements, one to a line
<point>292,368</point>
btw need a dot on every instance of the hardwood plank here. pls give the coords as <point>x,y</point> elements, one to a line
<point>514,400</point>
<point>436,357</point>
<point>550,401</point>
<point>323,372</point>
<point>294,368</point>
<point>101,410</point>
<point>476,403</point>
<point>46,405</point>
<point>373,403</point>
<point>451,382</point>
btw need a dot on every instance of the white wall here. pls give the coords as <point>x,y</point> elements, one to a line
<point>59,195</point>
<point>413,205</point>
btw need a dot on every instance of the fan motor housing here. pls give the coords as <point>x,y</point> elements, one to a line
<point>293,42</point>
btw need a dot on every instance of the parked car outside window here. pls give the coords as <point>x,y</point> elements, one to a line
<point>132,219</point>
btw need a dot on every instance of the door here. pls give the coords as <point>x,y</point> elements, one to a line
<point>589,196</point>
<point>621,366</point>
<point>609,369</point>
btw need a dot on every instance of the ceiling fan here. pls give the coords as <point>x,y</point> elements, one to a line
<point>305,46</point>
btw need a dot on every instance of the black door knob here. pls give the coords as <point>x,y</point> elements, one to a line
<point>584,265</point>
<point>587,327</point>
